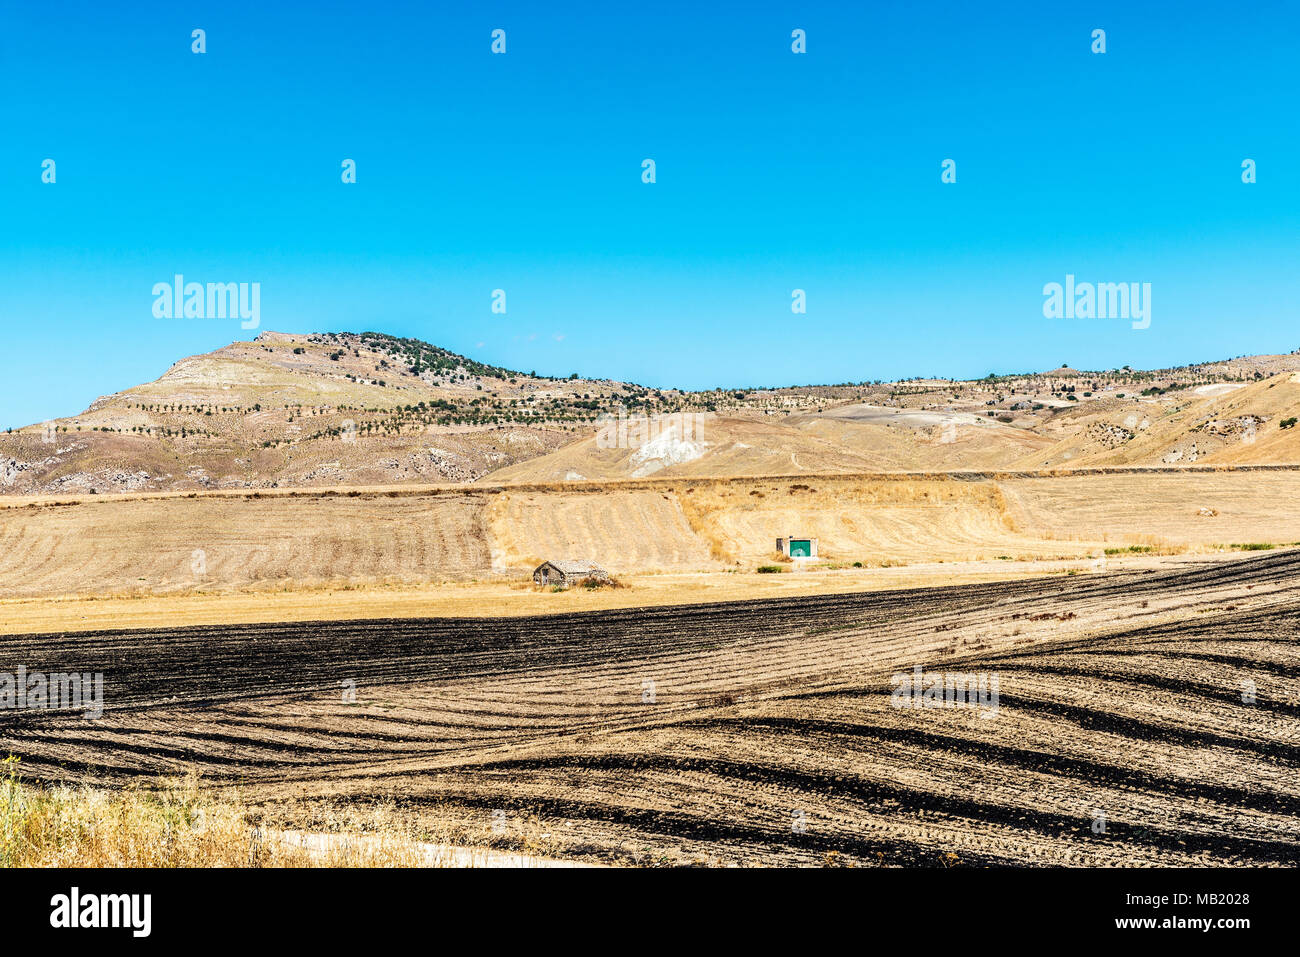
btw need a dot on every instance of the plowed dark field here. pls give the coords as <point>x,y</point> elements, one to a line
<point>1141,718</point>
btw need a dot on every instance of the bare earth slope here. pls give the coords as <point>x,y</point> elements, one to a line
<point>739,444</point>
<point>1225,423</point>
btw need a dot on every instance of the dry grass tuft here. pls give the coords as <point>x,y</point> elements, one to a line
<point>181,824</point>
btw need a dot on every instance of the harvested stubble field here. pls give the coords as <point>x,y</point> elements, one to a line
<point>747,732</point>
<point>171,543</point>
<point>211,543</point>
<point>1188,509</point>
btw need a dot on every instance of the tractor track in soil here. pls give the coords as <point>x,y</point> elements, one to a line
<point>746,732</point>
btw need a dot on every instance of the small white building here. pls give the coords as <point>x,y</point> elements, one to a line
<point>797,547</point>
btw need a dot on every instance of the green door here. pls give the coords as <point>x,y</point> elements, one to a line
<point>800,547</point>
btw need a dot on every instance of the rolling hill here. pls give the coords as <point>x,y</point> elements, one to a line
<point>303,411</point>
<point>340,409</point>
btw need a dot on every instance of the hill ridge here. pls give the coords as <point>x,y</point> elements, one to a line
<point>329,409</point>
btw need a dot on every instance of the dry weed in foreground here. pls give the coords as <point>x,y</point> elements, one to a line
<point>180,824</point>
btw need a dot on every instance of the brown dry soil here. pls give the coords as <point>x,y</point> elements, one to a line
<point>746,732</point>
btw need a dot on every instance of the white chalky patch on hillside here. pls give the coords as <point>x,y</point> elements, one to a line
<point>1217,388</point>
<point>663,450</point>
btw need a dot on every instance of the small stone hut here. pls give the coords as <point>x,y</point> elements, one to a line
<point>567,572</point>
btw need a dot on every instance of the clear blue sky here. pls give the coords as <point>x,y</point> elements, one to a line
<point>523,172</point>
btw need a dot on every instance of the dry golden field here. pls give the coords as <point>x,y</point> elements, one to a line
<point>171,543</point>
<point>429,539</point>
<point>637,530</point>
<point>1167,507</point>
